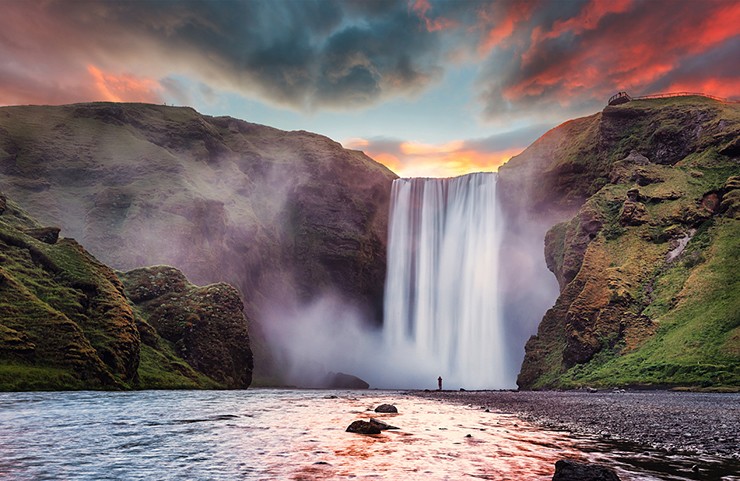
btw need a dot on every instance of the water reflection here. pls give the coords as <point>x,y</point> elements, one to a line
<point>296,435</point>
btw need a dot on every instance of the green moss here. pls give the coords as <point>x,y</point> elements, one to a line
<point>22,377</point>
<point>65,324</point>
<point>162,369</point>
<point>697,309</point>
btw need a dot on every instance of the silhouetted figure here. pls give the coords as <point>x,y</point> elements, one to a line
<point>439,383</point>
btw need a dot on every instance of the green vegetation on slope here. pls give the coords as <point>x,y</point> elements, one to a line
<point>648,266</point>
<point>65,322</point>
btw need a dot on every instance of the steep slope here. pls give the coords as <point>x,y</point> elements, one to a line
<point>283,216</point>
<point>61,312</point>
<point>66,323</point>
<point>647,264</point>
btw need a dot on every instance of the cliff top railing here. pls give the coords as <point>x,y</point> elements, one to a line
<point>623,97</point>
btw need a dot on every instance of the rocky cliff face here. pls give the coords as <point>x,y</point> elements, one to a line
<point>66,321</point>
<point>205,325</point>
<point>646,253</point>
<point>283,216</point>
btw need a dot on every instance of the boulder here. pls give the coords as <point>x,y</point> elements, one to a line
<point>386,408</point>
<point>633,213</point>
<point>363,427</point>
<point>711,202</point>
<point>636,158</point>
<point>567,470</point>
<point>47,235</point>
<point>340,380</point>
<point>382,425</point>
<point>643,177</point>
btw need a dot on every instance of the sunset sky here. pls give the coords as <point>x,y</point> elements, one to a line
<point>429,88</point>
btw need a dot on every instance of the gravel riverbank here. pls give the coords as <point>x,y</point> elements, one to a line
<point>702,423</point>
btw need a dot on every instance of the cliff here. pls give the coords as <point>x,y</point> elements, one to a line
<point>283,216</point>
<point>644,198</point>
<point>66,321</point>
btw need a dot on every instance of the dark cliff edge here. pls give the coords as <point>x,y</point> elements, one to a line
<point>66,321</point>
<point>285,217</point>
<point>641,204</point>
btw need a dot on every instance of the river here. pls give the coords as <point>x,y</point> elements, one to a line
<point>267,434</point>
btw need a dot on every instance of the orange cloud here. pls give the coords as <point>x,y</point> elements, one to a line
<point>630,51</point>
<point>587,19</point>
<point>499,22</point>
<point>421,7</point>
<point>417,148</point>
<point>415,159</point>
<point>124,88</point>
<point>728,88</point>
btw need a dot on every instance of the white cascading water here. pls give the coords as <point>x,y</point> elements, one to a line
<point>441,292</point>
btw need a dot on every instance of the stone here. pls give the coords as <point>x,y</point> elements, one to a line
<point>47,235</point>
<point>363,427</point>
<point>568,470</point>
<point>633,213</point>
<point>386,408</point>
<point>382,425</point>
<point>643,177</point>
<point>633,195</point>
<point>340,380</point>
<point>711,202</point>
<point>636,158</point>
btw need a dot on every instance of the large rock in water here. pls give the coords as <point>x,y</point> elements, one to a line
<point>617,192</point>
<point>283,216</point>
<point>206,324</point>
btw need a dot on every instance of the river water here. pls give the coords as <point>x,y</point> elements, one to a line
<point>265,434</point>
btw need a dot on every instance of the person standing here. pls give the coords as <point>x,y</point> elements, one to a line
<point>439,383</point>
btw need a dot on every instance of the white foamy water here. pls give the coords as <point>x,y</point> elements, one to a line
<point>441,294</point>
<point>264,434</point>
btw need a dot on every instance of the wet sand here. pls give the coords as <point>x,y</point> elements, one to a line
<point>700,423</point>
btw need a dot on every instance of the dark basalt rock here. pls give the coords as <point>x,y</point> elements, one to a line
<point>386,408</point>
<point>341,380</point>
<point>383,426</point>
<point>633,213</point>
<point>48,235</point>
<point>363,427</point>
<point>567,470</point>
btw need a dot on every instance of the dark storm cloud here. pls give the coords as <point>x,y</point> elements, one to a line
<point>538,59</point>
<point>307,54</point>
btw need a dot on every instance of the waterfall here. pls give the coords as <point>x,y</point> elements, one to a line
<point>441,292</point>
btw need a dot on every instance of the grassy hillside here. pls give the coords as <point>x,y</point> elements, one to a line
<point>283,216</point>
<point>66,322</point>
<point>650,290</point>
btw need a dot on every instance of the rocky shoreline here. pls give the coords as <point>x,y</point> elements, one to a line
<point>675,422</point>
